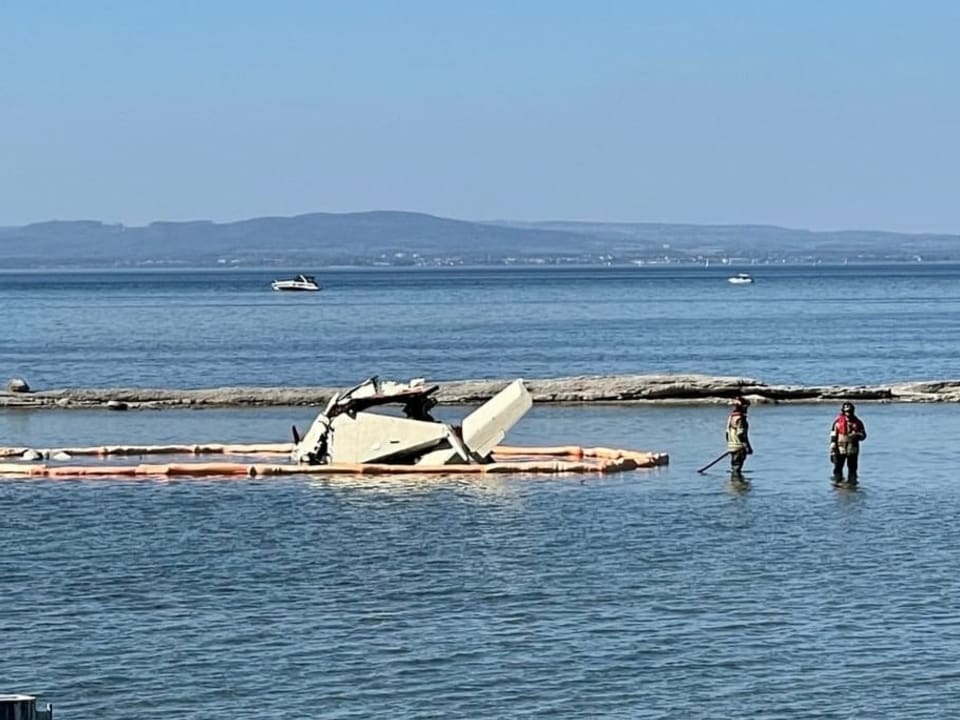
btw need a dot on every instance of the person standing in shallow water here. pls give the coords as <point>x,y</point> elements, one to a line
<point>738,435</point>
<point>846,434</point>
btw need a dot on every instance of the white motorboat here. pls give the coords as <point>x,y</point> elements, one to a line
<point>302,283</point>
<point>740,279</point>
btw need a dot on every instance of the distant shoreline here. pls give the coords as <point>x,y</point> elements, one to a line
<point>403,238</point>
<point>603,389</point>
<point>320,266</point>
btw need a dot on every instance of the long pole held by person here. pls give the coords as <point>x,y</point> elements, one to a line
<point>713,462</point>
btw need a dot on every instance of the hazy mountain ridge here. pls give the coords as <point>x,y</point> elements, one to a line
<point>755,241</point>
<point>406,238</point>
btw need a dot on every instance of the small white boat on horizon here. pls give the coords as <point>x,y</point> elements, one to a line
<point>740,279</point>
<point>301,283</point>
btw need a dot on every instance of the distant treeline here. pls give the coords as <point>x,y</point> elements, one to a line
<point>403,238</point>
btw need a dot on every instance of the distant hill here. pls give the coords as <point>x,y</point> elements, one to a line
<point>404,238</point>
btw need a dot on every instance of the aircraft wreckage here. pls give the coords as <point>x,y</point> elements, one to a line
<point>375,427</point>
<point>349,431</point>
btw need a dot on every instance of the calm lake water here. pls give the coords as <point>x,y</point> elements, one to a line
<point>653,594</point>
<point>209,329</point>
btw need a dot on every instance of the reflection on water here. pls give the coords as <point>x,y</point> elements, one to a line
<point>413,484</point>
<point>849,492</point>
<point>738,484</point>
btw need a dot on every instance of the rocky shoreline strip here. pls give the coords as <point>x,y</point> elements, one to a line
<point>609,389</point>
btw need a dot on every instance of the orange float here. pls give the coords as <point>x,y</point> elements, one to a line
<point>558,460</point>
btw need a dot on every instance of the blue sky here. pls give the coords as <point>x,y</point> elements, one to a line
<point>813,114</point>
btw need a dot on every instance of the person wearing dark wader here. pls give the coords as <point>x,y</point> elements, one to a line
<point>846,434</point>
<point>738,436</point>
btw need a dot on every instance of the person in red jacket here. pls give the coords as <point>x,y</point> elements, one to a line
<point>846,434</point>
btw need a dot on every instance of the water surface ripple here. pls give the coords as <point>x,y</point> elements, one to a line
<point>662,594</point>
<point>201,328</point>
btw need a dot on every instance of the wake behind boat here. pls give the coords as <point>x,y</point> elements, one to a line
<point>740,279</point>
<point>301,283</point>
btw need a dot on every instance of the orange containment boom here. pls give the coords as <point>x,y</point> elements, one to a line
<point>204,449</point>
<point>508,460</point>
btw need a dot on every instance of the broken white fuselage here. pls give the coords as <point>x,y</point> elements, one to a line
<point>357,427</point>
